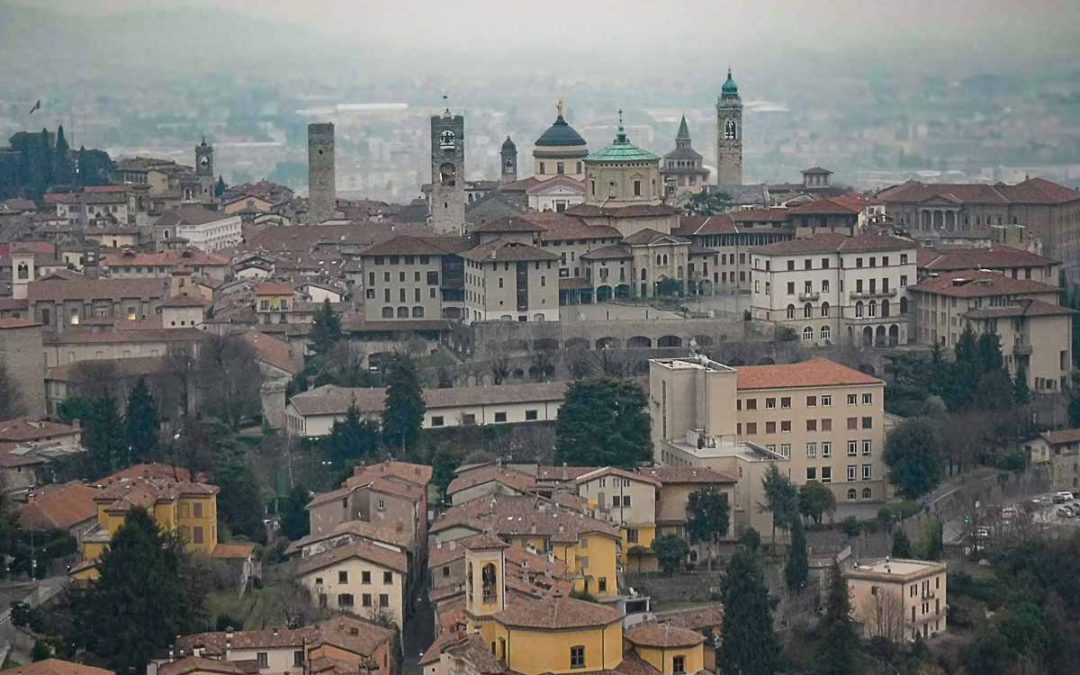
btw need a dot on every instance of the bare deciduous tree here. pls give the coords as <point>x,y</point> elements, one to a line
<point>229,379</point>
<point>882,615</point>
<point>11,405</point>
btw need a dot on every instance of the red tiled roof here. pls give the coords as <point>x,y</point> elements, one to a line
<point>487,474</point>
<point>558,613</point>
<point>1022,307</point>
<point>981,258</point>
<point>233,550</point>
<point>824,206</point>
<point>413,245</point>
<point>364,550</point>
<point>834,242</point>
<point>59,507</point>
<point>672,475</point>
<point>706,225</point>
<point>12,323</point>
<point>977,283</point>
<point>1061,436</point>
<point>609,252</point>
<point>648,236</point>
<point>1039,191</point>
<point>274,288</point>
<point>30,429</point>
<point>507,224</point>
<point>662,636</point>
<point>913,192</point>
<point>817,372</point>
<point>760,215</point>
<point>97,289</point>
<point>272,351</point>
<point>56,667</point>
<point>507,251</point>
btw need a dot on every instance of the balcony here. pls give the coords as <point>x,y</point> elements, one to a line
<point>1022,348</point>
<point>867,295</point>
<point>809,297</point>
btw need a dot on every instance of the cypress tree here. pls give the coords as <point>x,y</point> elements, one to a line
<point>749,646</point>
<point>104,437</point>
<point>325,329</point>
<point>404,410</point>
<point>839,645</point>
<point>141,422</point>
<point>901,545</point>
<point>797,569</point>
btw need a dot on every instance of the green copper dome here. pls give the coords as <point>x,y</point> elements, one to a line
<point>622,150</point>
<point>730,89</point>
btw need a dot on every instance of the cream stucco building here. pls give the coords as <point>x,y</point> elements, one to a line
<point>899,600</point>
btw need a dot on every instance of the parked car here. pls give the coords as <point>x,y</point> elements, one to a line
<point>1062,497</point>
<point>1064,512</point>
<point>982,533</point>
<point>1009,512</point>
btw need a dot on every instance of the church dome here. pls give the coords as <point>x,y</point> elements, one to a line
<point>560,134</point>
<point>508,144</point>
<point>730,88</point>
<point>622,150</point>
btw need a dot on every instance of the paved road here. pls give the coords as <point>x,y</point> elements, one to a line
<point>419,634</point>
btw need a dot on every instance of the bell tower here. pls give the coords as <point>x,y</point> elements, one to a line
<point>22,272</point>
<point>508,157</point>
<point>485,576</point>
<point>448,173</point>
<point>729,134</point>
<point>204,170</point>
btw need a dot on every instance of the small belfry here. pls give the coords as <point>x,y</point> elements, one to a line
<point>729,144</point>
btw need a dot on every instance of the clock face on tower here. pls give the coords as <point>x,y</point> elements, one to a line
<point>446,140</point>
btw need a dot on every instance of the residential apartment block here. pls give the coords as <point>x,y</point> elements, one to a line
<point>1035,331</point>
<point>899,600</point>
<point>816,420</point>
<point>830,287</point>
<point>1061,451</point>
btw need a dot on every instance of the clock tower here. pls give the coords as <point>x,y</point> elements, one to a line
<point>729,134</point>
<point>448,173</point>
<point>204,171</point>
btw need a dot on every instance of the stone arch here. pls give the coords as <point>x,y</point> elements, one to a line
<point>577,343</point>
<point>894,335</point>
<point>638,342</point>
<point>669,341</point>
<point>604,293</point>
<point>903,306</point>
<point>867,493</point>
<point>868,336</point>
<point>885,307</point>
<point>403,312</point>
<point>517,345</point>
<point>824,310</point>
<point>622,291</point>
<point>852,494</point>
<point>607,343</point>
<point>879,336</point>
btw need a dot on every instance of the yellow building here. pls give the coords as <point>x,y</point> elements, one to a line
<point>176,504</point>
<point>273,300</point>
<point>628,500</point>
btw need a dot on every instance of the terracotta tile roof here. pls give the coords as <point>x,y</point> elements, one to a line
<point>662,636</point>
<point>562,474</point>
<point>272,351</point>
<point>59,507</point>
<point>1062,436</point>
<point>615,471</point>
<point>558,613</point>
<point>826,207</point>
<point>672,475</point>
<point>353,635</point>
<point>137,335</point>
<point>648,236</point>
<point>507,516</point>
<point>760,215</point>
<point>394,534</point>
<point>834,242</point>
<point>128,493</point>
<point>191,215</point>
<point>30,429</point>
<point>630,211</point>
<point>819,372</point>
<point>11,460</point>
<point>561,227</point>
<point>274,288</point>
<point>417,474</point>
<point>364,550</point>
<point>97,289</point>
<point>136,366</point>
<point>723,223</point>
<point>180,301</point>
<point>56,667</point>
<point>914,192</point>
<point>334,400</point>
<point>507,251</point>
<point>1022,307</point>
<point>150,470</point>
<point>7,323</point>
<point>200,664</point>
<point>632,664</point>
<point>484,542</point>
<point>213,644</point>
<point>514,479</point>
<point>976,283</point>
<point>189,256</point>
<point>981,258</point>
<point>507,224</point>
<point>695,619</point>
<point>478,654</point>
<point>609,252</point>
<point>1039,191</point>
<point>413,245</point>
<point>233,550</point>
<point>434,651</point>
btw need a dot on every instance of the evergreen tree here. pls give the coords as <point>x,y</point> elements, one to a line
<point>1021,392</point>
<point>914,456</point>
<point>671,550</point>
<point>815,500</point>
<point>104,437</point>
<point>405,407</point>
<point>709,519</point>
<point>445,464</point>
<point>838,648</point>
<point>94,167</point>
<point>352,439</point>
<point>141,422</point>
<point>603,422</point>
<point>748,646</point>
<point>781,498</point>
<point>240,502</point>
<point>145,595</point>
<point>797,568</point>
<point>9,533</point>
<point>295,523</point>
<point>62,170</point>
<point>325,330</point>
<point>901,545</point>
<point>219,187</point>
<point>988,353</point>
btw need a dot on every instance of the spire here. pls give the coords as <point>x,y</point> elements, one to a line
<point>684,131</point>
<point>620,137</point>
<point>730,89</point>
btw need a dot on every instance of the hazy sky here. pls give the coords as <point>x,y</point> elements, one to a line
<point>710,25</point>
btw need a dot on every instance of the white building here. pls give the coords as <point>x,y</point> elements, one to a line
<point>831,287</point>
<point>204,229</point>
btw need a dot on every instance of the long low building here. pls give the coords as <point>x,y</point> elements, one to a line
<point>313,413</point>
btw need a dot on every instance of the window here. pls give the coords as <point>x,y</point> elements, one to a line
<point>298,658</point>
<point>852,448</point>
<point>867,471</point>
<point>791,288</point>
<point>852,472</point>
<point>785,402</point>
<point>343,577</point>
<point>500,417</point>
<point>826,424</point>
<point>826,449</point>
<point>811,473</point>
<point>826,401</point>
<point>577,656</point>
<point>811,425</point>
<point>262,660</point>
<point>197,535</point>
<point>388,577</point>
<point>384,600</point>
<point>785,427</point>
<point>751,428</point>
<point>785,450</point>
<point>853,399</point>
<point>853,423</point>
<point>751,404</point>
<point>637,188</point>
<point>826,474</point>
<point>615,501</point>
<point>811,401</point>
<point>531,416</point>
<point>867,446</point>
<point>770,427</point>
<point>811,449</point>
<point>826,332</point>
<point>345,600</point>
<point>437,421</point>
<point>602,583</point>
<point>852,494</point>
<point>867,399</point>
<point>366,600</point>
<point>446,571</point>
<point>631,536</point>
<point>770,403</point>
<point>678,664</point>
<point>868,423</point>
<point>626,501</point>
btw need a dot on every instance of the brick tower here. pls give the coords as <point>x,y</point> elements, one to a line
<point>729,135</point>
<point>322,198</point>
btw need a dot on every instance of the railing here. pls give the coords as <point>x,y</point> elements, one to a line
<point>1022,348</point>
<point>809,296</point>
<point>862,295</point>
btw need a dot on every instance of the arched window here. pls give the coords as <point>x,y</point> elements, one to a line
<point>643,275</point>
<point>858,309</point>
<point>403,312</point>
<point>731,130</point>
<point>791,311</point>
<point>808,311</point>
<point>490,591</point>
<point>852,494</point>
<point>658,259</point>
<point>866,494</point>
<point>824,310</point>
<point>418,312</point>
<point>871,308</point>
<point>826,333</point>
<point>884,308</point>
<point>903,305</point>
<point>447,173</point>
<point>808,334</point>
<point>446,140</point>
<point>24,271</point>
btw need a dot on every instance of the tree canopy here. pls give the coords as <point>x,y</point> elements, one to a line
<point>797,565</point>
<point>839,646</point>
<point>352,440</point>
<point>671,550</point>
<point>748,646</point>
<point>781,498</point>
<point>403,414</point>
<point>141,422</point>
<point>325,329</point>
<point>603,422</point>
<point>295,523</point>
<point>815,500</point>
<point>708,518</point>
<point>913,454</point>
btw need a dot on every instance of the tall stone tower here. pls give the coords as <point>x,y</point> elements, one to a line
<point>322,195</point>
<point>448,172</point>
<point>508,156</point>
<point>729,134</point>
<point>204,170</point>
